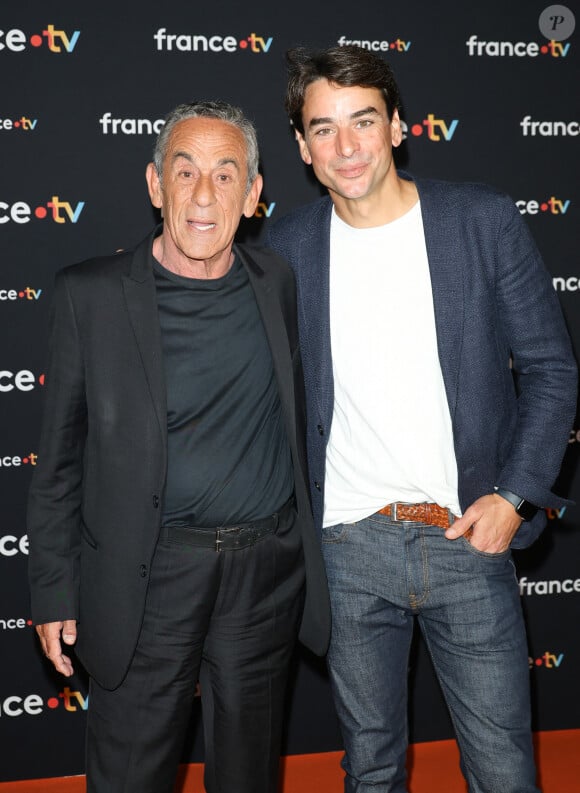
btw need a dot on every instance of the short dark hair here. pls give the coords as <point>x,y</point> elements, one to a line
<point>345,66</point>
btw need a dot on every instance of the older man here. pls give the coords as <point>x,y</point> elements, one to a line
<point>169,517</point>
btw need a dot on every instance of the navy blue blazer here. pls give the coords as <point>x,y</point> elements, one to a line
<point>494,302</point>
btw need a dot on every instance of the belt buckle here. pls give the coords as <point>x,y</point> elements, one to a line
<point>218,541</point>
<point>394,510</point>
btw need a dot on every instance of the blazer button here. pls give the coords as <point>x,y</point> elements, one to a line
<point>155,502</point>
<point>320,429</point>
<point>317,485</point>
<point>143,571</point>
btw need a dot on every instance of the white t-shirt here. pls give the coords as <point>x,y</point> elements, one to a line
<point>391,437</point>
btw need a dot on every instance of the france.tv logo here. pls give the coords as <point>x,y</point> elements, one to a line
<point>551,206</point>
<point>435,129</point>
<point>23,123</point>
<point>51,38</point>
<point>514,49</point>
<point>56,210</point>
<point>186,42</point>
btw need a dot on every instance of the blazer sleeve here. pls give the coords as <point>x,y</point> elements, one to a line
<point>542,359</point>
<point>54,503</point>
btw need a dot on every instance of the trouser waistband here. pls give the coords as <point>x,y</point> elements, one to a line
<point>228,538</point>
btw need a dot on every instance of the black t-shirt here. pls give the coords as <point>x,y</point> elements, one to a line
<point>228,455</point>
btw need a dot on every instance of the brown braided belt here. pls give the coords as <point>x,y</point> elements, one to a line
<point>430,514</point>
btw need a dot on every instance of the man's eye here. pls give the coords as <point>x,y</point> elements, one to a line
<point>323,131</point>
<point>364,122</point>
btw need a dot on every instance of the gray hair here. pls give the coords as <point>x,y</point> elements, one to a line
<point>210,109</point>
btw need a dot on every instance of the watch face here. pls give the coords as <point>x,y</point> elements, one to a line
<point>526,510</point>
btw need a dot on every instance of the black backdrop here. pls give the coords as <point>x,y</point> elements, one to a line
<point>487,97</point>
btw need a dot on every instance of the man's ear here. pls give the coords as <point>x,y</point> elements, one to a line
<point>396,129</point>
<point>251,200</point>
<point>303,147</point>
<point>154,185</point>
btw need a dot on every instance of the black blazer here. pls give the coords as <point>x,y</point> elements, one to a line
<point>95,500</point>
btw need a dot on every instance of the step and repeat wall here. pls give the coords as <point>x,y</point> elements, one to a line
<point>490,93</point>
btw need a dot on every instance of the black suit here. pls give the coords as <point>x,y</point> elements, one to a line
<point>96,498</point>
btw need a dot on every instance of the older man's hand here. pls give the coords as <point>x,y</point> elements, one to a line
<point>50,634</point>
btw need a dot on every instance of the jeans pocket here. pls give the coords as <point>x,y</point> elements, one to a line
<point>336,533</point>
<point>484,554</point>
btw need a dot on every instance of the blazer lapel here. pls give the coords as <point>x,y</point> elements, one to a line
<point>275,327</point>
<point>313,281</point>
<point>447,283</point>
<point>139,289</point>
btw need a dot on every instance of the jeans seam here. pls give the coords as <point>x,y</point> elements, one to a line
<point>416,602</point>
<point>464,758</point>
<point>425,566</point>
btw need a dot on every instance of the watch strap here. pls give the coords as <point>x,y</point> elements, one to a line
<point>525,509</point>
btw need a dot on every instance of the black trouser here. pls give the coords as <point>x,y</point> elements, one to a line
<point>229,619</point>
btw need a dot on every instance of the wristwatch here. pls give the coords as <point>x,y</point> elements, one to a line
<point>525,509</point>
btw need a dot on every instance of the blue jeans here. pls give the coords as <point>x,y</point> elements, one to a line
<point>381,575</point>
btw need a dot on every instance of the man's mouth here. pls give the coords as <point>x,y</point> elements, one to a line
<point>351,171</point>
<point>199,225</point>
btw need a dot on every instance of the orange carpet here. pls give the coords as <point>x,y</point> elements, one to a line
<point>433,769</point>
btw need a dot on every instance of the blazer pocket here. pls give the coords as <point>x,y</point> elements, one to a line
<point>88,537</point>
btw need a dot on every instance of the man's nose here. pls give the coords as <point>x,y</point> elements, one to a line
<point>346,142</point>
<point>203,193</point>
